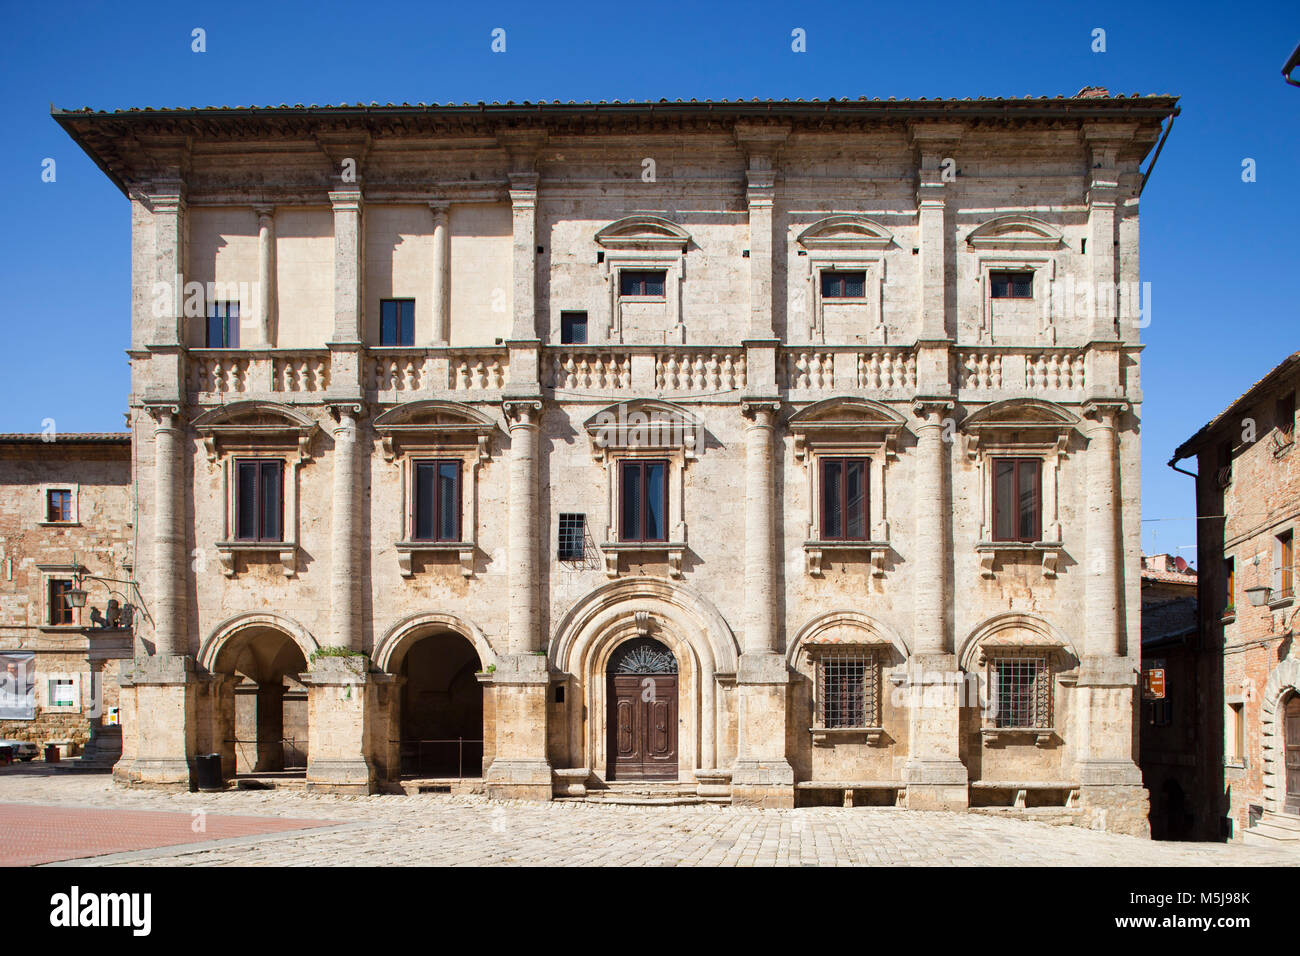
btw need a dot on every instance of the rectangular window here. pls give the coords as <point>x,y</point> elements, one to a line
<point>223,325</point>
<point>844,285</point>
<point>1017,499</point>
<point>437,500</point>
<point>1236,734</point>
<point>259,499</point>
<point>642,282</point>
<point>1011,285</point>
<point>397,322</point>
<point>643,515</point>
<point>1285,414</point>
<point>573,328</point>
<point>1022,691</point>
<point>1284,578</point>
<point>573,537</point>
<point>58,504</point>
<point>63,692</point>
<point>60,602</point>
<point>845,499</point>
<point>1229,586</point>
<point>847,689</point>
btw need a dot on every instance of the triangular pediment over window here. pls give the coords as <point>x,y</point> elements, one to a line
<point>1015,232</point>
<point>643,232</point>
<point>846,232</point>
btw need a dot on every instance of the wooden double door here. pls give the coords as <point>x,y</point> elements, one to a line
<point>642,727</point>
<point>1291,742</point>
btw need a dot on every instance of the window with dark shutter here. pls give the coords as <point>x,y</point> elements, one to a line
<point>845,511</point>
<point>643,513</point>
<point>1011,285</point>
<point>642,282</point>
<point>1017,499</point>
<point>437,500</point>
<point>844,285</point>
<point>259,499</point>
<point>223,325</point>
<point>397,322</point>
<point>573,328</point>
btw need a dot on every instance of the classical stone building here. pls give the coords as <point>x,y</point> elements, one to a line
<point>1248,506</point>
<point>65,527</point>
<point>767,451</point>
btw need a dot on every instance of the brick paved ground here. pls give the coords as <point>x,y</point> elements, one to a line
<point>456,830</point>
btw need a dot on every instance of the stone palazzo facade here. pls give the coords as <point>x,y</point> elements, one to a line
<point>779,452</point>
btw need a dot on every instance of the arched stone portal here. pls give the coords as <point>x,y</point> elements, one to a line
<point>262,713</point>
<point>441,708</point>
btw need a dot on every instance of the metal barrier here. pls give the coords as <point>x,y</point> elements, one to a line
<point>294,757</point>
<point>434,755</point>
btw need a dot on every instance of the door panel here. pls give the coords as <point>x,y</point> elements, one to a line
<point>1291,736</point>
<point>642,722</point>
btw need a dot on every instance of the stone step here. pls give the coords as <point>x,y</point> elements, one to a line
<point>1266,834</point>
<point>1286,821</point>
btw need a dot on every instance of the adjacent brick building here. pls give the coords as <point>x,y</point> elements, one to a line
<point>772,451</point>
<point>65,524</point>
<point>1248,505</point>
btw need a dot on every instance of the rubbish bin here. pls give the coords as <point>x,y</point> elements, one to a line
<point>6,756</point>
<point>51,753</point>
<point>207,771</point>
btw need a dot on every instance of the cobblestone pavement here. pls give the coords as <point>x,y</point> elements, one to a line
<point>470,830</point>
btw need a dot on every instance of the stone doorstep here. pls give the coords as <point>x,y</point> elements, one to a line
<point>1274,829</point>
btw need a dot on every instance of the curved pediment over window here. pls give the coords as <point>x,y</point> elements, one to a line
<point>1015,232</point>
<point>254,424</point>
<point>845,421</point>
<point>431,423</point>
<point>846,232</point>
<point>1015,631</point>
<point>644,424</point>
<point>1028,419</point>
<point>643,232</point>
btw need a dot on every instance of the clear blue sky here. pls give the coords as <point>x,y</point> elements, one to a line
<point>1219,253</point>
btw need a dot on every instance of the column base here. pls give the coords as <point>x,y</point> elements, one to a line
<point>346,776</point>
<point>520,779</point>
<point>165,689</point>
<point>937,785</point>
<point>104,748</point>
<point>767,783</point>
<point>341,704</point>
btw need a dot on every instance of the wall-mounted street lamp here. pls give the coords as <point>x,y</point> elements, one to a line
<point>116,614</point>
<point>1259,595</point>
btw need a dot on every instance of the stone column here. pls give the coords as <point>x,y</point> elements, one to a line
<point>936,777</point>
<point>170,567</point>
<point>1112,792</point>
<point>266,296</point>
<point>762,775</point>
<point>521,768</point>
<point>441,274</point>
<point>345,583</point>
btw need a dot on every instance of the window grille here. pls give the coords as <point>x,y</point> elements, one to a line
<point>1021,690</point>
<point>848,688</point>
<point>1011,285</point>
<point>573,537</point>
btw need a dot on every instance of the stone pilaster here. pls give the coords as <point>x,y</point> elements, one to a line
<point>935,145</point>
<point>521,768</point>
<point>167,201</point>
<point>1104,142</point>
<point>348,270</point>
<point>342,708</point>
<point>523,204</point>
<point>936,776</point>
<point>762,775</point>
<point>441,274</point>
<point>264,328</point>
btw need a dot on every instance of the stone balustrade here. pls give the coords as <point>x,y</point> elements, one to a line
<point>851,367</point>
<point>415,370</point>
<point>587,369</point>
<point>699,370</point>
<point>1027,370</point>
